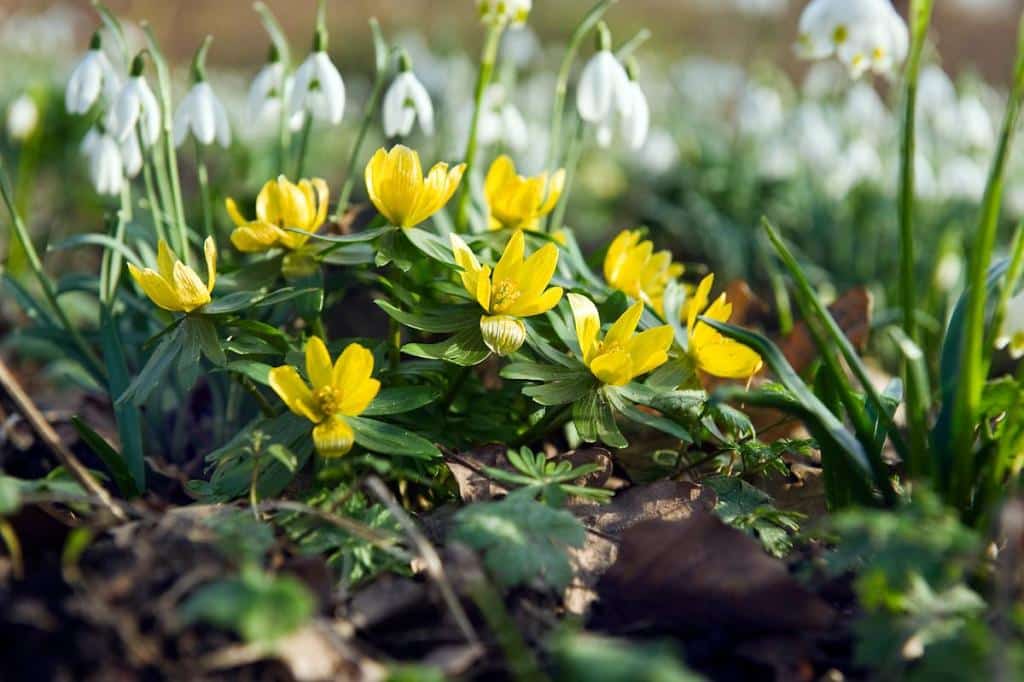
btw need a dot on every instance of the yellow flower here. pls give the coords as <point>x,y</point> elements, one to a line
<point>712,352</point>
<point>339,391</point>
<point>632,267</point>
<point>173,285</point>
<point>395,183</point>
<point>517,288</point>
<point>279,206</point>
<point>623,354</point>
<point>517,202</point>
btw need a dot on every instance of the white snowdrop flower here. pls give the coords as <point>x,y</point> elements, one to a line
<point>1012,331</point>
<point>405,102</point>
<point>22,118</point>
<point>202,114</point>
<point>134,105</point>
<point>864,111</point>
<point>863,34</point>
<point>131,155</point>
<point>962,178</point>
<point>633,120</point>
<point>500,120</point>
<point>514,12</point>
<point>976,127</point>
<point>92,76</point>
<point>318,89</point>
<point>106,168</point>
<point>603,88</point>
<point>267,92</point>
<point>759,111</point>
<point>948,271</point>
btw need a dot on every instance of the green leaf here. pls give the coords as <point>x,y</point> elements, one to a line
<point>209,342</point>
<point>353,254</point>
<point>562,391</point>
<point>438,321</point>
<point>101,240</point>
<point>391,440</point>
<point>127,415</point>
<point>10,495</point>
<point>663,424</point>
<point>260,607</point>
<point>232,303</point>
<point>354,238</point>
<point>521,539</point>
<point>466,348</point>
<point>403,399</point>
<point>257,371</point>
<point>537,371</point>
<point>430,245</point>
<point>111,458</point>
<point>155,369</point>
<point>287,294</point>
<point>592,414</point>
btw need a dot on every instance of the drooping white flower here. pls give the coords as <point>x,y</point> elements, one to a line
<point>268,95</point>
<point>22,118</point>
<point>1012,331</point>
<point>134,105</point>
<point>131,156</point>
<point>405,102</point>
<point>500,120</point>
<point>92,76</point>
<point>634,119</point>
<point>514,12</point>
<point>863,34</point>
<point>202,114</point>
<point>603,87</point>
<point>318,89</point>
<point>106,168</point>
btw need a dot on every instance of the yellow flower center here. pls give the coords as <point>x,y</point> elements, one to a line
<point>328,399</point>
<point>504,295</point>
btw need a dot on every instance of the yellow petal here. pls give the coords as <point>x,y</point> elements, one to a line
<point>649,348</point>
<point>294,392</point>
<point>318,363</point>
<point>541,304</point>
<point>165,260</point>
<point>554,191</point>
<point>511,261</point>
<point>323,197</point>
<point>210,252</point>
<point>696,305</point>
<point>728,359</point>
<point>353,367</point>
<point>483,288</point>
<point>233,212</point>
<point>156,288</point>
<point>333,438</point>
<point>615,258</point>
<point>536,272</point>
<point>191,291</point>
<point>374,175</point>
<point>501,171</point>
<point>268,204</point>
<point>255,237</point>
<point>465,259</point>
<point>623,328</point>
<point>587,323</point>
<point>614,368</point>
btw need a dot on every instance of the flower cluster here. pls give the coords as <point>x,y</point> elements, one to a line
<point>863,34</point>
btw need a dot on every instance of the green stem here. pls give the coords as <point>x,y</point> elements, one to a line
<point>163,184</point>
<point>572,161</point>
<point>350,178</point>
<point>108,287</point>
<point>1012,278</point>
<point>155,208</point>
<point>487,60</point>
<point>91,360</point>
<point>300,162</point>
<point>522,664</point>
<point>457,382</point>
<point>552,419</point>
<point>562,82</point>
<point>975,355</point>
<point>205,197</point>
<point>394,344</point>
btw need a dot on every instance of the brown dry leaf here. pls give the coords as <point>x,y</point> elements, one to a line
<point>748,310</point>
<point>852,312</point>
<point>467,468</point>
<point>697,573</point>
<point>356,217</point>
<point>661,500</point>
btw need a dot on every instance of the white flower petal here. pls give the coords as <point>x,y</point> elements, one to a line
<point>636,125</point>
<point>421,101</point>
<point>597,86</point>
<point>332,87</point>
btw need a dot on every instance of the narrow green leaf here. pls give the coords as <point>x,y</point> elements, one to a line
<point>110,457</point>
<point>388,439</point>
<point>402,399</point>
<point>451,319</point>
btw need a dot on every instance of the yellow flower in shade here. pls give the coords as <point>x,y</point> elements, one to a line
<point>517,288</point>
<point>517,202</point>
<point>632,267</point>
<point>623,354</point>
<point>712,352</point>
<point>280,205</point>
<point>173,285</point>
<point>395,183</point>
<point>339,391</point>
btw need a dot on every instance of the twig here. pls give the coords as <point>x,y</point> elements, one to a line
<point>383,542</point>
<point>428,554</point>
<point>50,438</point>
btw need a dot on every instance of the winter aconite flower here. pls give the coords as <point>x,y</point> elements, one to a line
<point>517,288</point>
<point>173,285</point>
<point>622,355</point>
<point>711,351</point>
<point>106,163</point>
<point>318,89</point>
<point>863,34</point>
<point>344,389</point>
<point>406,102</point>
<point>632,267</point>
<point>281,205</point>
<point>396,186</point>
<point>518,202</point>
<point>90,77</point>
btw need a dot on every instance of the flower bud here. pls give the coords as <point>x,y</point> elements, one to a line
<point>503,334</point>
<point>333,437</point>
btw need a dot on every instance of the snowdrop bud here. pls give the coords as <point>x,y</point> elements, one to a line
<point>22,118</point>
<point>318,89</point>
<point>134,105</point>
<point>201,112</point>
<point>105,163</point>
<point>603,86</point>
<point>406,102</point>
<point>92,76</point>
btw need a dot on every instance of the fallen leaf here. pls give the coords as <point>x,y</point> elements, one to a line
<point>467,468</point>
<point>852,312</point>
